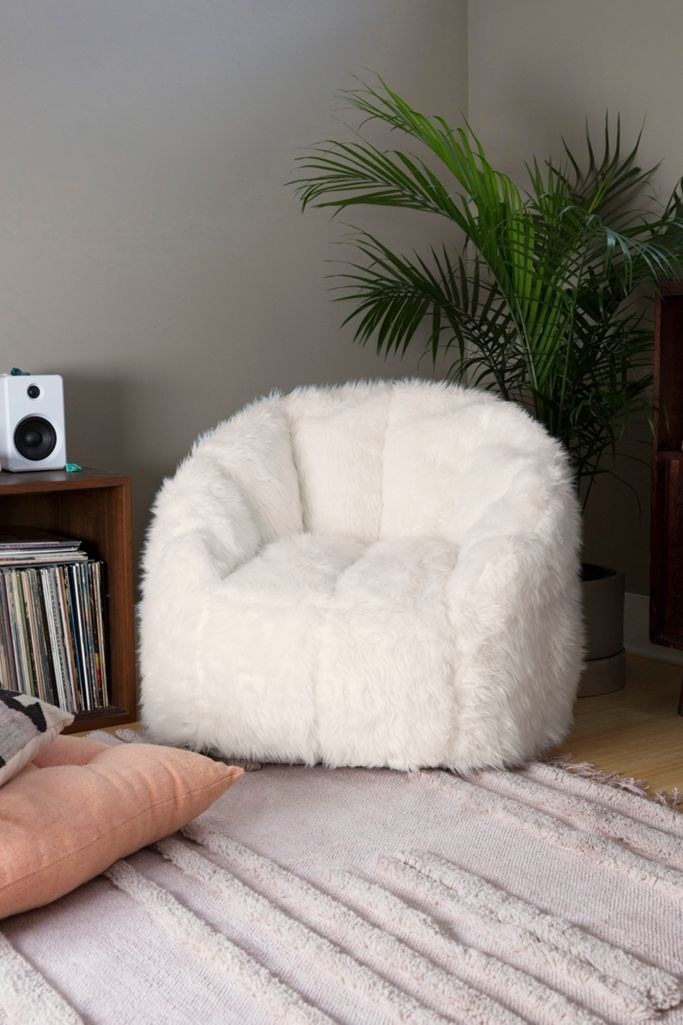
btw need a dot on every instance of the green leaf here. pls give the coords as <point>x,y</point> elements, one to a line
<point>544,300</point>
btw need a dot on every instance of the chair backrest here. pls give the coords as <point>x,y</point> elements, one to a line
<point>388,459</point>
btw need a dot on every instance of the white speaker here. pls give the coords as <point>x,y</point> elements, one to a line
<point>32,422</point>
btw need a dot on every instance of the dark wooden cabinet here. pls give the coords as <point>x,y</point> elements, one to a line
<point>95,507</point>
<point>666,536</point>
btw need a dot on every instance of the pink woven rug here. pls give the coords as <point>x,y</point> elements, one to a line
<point>368,898</point>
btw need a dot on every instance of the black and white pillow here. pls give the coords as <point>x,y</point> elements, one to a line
<point>26,726</point>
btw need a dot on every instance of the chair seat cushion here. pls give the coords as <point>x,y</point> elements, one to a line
<point>331,648</point>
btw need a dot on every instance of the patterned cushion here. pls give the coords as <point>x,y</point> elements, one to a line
<point>26,726</point>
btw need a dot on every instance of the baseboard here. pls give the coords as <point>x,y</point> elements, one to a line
<point>636,631</point>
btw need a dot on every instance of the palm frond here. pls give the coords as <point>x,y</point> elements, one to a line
<point>540,304</point>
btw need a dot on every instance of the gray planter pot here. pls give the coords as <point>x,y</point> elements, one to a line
<point>603,611</point>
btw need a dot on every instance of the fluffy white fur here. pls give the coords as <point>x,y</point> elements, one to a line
<point>376,574</point>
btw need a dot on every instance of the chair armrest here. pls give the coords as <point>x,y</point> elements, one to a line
<point>202,530</point>
<point>516,609</point>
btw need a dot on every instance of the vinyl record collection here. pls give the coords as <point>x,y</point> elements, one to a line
<point>52,620</point>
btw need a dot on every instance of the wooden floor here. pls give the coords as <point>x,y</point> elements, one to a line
<point>636,731</point>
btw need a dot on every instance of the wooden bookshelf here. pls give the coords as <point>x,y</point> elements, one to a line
<point>95,507</point>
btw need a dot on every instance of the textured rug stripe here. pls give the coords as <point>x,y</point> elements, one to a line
<point>262,943</point>
<point>300,897</point>
<point>584,813</point>
<point>521,990</point>
<point>636,984</point>
<point>634,805</point>
<point>543,826</point>
<point>259,984</point>
<point>26,997</point>
<point>593,986</point>
<point>310,947</point>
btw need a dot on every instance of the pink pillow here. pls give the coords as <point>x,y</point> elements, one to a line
<point>68,751</point>
<point>83,805</point>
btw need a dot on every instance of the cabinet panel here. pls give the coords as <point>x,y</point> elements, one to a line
<point>666,603</point>
<point>668,371</point>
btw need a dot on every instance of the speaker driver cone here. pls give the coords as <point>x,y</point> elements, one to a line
<point>35,437</point>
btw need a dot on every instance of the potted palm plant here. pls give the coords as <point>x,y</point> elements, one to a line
<point>536,293</point>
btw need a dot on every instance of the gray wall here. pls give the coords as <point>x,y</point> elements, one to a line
<point>538,69</point>
<point>151,252</point>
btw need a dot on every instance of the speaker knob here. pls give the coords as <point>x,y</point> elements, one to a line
<point>35,437</point>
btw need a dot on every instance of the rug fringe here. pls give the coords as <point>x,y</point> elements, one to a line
<point>669,798</point>
<point>130,736</point>
<point>640,787</point>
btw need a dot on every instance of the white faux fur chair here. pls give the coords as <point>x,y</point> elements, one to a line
<point>377,574</point>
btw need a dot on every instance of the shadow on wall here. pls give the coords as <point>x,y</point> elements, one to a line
<point>96,423</point>
<point>100,432</point>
